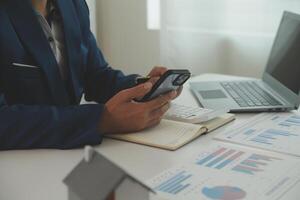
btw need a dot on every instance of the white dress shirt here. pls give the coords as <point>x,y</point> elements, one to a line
<point>53,29</point>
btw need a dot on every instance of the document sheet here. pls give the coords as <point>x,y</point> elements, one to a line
<point>279,132</point>
<point>228,172</point>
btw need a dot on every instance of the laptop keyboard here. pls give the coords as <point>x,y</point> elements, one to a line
<point>249,94</point>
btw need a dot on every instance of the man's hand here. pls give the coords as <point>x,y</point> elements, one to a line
<point>156,73</point>
<point>123,114</point>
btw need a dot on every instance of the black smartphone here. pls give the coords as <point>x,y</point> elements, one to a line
<point>169,81</point>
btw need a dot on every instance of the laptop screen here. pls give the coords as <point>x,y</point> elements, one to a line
<point>284,61</point>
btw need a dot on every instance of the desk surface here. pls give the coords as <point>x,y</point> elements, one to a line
<point>38,174</point>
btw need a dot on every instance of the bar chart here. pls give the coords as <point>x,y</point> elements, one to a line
<point>254,164</point>
<point>291,121</point>
<point>221,158</point>
<point>236,160</point>
<point>175,184</point>
<point>228,172</point>
<point>269,136</point>
<point>278,132</point>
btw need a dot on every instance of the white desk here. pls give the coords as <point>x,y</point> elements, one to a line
<point>38,174</point>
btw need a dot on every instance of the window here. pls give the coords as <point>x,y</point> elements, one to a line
<point>153,14</point>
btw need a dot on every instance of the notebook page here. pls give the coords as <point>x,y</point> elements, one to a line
<point>168,134</point>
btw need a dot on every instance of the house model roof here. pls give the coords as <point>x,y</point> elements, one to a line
<point>97,179</point>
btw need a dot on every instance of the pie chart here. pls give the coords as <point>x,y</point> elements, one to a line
<point>224,193</point>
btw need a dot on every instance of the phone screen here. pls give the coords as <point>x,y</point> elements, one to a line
<point>166,86</point>
<point>170,81</point>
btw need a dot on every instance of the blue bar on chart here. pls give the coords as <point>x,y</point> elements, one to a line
<point>259,157</point>
<point>220,158</point>
<point>249,132</point>
<point>270,136</point>
<point>211,156</point>
<point>229,160</point>
<point>175,184</point>
<point>254,163</point>
<point>291,121</point>
<point>246,170</point>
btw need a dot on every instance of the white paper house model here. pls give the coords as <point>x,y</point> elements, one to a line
<point>96,177</point>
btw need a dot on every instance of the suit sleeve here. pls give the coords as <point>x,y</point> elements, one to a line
<point>31,127</point>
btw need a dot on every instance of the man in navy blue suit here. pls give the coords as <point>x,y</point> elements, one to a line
<point>48,59</point>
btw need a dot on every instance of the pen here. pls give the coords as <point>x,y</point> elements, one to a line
<point>141,80</point>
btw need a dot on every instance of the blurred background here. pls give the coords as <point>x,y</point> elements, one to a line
<point>206,36</point>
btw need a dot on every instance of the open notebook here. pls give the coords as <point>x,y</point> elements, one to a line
<point>172,135</point>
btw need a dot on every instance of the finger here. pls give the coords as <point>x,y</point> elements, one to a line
<point>161,101</point>
<point>158,113</point>
<point>179,91</point>
<point>135,92</point>
<point>158,71</point>
<point>153,80</point>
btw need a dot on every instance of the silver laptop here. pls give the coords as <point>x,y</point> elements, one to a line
<point>279,88</point>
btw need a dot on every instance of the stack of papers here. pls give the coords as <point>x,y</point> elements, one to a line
<point>229,173</point>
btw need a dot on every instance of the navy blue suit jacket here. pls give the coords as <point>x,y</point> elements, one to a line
<point>37,108</point>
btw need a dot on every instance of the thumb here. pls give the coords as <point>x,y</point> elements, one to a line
<point>136,92</point>
<point>153,80</point>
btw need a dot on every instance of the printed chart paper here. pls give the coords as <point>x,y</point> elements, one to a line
<point>228,173</point>
<point>276,132</point>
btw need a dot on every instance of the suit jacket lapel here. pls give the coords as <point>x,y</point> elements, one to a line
<point>73,40</point>
<point>31,34</point>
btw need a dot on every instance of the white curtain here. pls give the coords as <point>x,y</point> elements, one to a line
<point>224,36</point>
